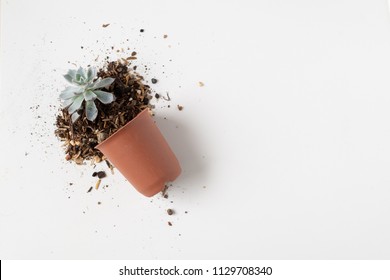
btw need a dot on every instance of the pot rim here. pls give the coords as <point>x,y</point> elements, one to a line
<point>116,132</point>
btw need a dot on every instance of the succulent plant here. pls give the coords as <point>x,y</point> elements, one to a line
<point>85,88</point>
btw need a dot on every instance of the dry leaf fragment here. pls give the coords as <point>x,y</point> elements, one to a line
<point>98,184</point>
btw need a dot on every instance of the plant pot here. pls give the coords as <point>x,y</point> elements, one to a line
<point>141,153</point>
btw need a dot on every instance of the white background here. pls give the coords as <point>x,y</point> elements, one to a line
<point>285,151</point>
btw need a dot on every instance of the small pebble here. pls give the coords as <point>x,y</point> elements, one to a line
<point>101,174</point>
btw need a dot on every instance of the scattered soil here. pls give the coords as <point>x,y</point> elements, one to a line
<point>132,96</point>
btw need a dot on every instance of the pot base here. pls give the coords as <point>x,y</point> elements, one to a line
<point>140,152</point>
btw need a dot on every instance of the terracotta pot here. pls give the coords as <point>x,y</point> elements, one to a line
<point>140,152</point>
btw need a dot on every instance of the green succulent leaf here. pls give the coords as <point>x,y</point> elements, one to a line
<point>67,102</point>
<point>75,117</point>
<point>70,92</point>
<point>81,72</point>
<point>91,110</point>
<point>77,79</point>
<point>76,104</point>
<point>102,83</point>
<point>89,95</point>
<point>69,78</point>
<point>104,97</point>
<point>72,73</point>
<point>91,74</point>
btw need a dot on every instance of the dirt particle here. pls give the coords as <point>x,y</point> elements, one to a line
<point>154,81</point>
<point>90,189</point>
<point>105,25</point>
<point>141,30</point>
<point>94,174</point>
<point>201,84</point>
<point>165,36</point>
<point>101,174</point>
<point>157,95</point>
<point>169,224</point>
<point>168,98</point>
<point>99,203</point>
<point>170,211</point>
<point>164,191</point>
<point>180,107</point>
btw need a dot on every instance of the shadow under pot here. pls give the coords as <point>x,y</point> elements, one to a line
<point>141,153</point>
